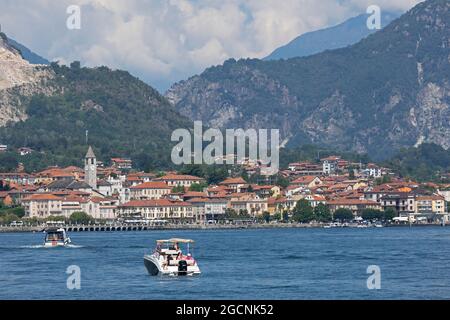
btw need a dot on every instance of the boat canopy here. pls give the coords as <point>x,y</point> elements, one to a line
<point>175,240</point>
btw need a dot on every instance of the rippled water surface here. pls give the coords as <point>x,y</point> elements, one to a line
<point>236,264</point>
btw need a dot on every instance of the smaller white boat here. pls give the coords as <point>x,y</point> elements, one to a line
<point>378,225</point>
<point>56,238</point>
<point>169,259</point>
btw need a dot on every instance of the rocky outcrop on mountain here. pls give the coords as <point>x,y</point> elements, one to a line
<point>388,91</point>
<point>54,109</point>
<point>18,80</point>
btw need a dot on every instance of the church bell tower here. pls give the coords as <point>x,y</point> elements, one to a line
<point>90,169</point>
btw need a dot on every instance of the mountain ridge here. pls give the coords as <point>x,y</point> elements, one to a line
<point>27,54</point>
<point>388,91</point>
<point>339,36</point>
<point>54,109</point>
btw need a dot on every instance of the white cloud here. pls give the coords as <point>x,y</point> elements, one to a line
<point>166,41</point>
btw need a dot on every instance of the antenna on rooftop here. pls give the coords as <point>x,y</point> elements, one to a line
<point>87,136</point>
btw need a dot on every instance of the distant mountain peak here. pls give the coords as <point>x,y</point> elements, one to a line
<point>23,51</point>
<point>342,35</point>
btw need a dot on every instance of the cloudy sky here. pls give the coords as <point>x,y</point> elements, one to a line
<point>163,41</point>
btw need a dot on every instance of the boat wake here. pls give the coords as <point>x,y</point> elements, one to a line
<point>41,246</point>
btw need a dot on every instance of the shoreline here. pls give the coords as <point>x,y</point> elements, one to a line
<point>131,228</point>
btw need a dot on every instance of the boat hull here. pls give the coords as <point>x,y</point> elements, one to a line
<point>54,244</point>
<point>151,266</point>
<point>154,268</point>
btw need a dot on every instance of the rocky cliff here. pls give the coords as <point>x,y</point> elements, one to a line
<point>388,91</point>
<point>53,109</point>
<point>18,79</point>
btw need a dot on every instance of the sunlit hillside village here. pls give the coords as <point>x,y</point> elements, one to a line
<point>323,191</point>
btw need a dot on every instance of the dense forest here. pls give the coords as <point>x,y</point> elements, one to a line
<point>425,163</point>
<point>119,115</point>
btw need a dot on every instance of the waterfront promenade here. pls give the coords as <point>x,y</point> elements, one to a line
<point>144,227</point>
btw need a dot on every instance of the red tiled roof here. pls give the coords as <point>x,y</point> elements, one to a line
<point>197,200</point>
<point>180,177</point>
<point>304,179</point>
<point>431,197</point>
<point>41,196</point>
<point>257,187</point>
<point>152,185</point>
<point>194,194</point>
<point>238,180</point>
<point>351,202</point>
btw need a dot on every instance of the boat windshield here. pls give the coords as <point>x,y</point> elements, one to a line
<point>54,236</point>
<point>174,247</point>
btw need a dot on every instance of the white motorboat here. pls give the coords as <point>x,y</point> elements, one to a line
<point>169,259</point>
<point>56,238</point>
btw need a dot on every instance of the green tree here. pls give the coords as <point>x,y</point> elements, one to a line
<point>8,161</point>
<point>282,182</point>
<point>230,214</point>
<point>4,186</point>
<point>80,218</point>
<point>56,218</point>
<point>216,173</point>
<point>198,187</point>
<point>178,189</point>
<point>389,214</point>
<point>277,216</point>
<point>351,173</point>
<point>371,214</point>
<point>285,216</point>
<point>322,213</point>
<point>382,180</point>
<point>266,216</point>
<point>343,214</point>
<point>243,214</point>
<point>303,212</point>
<point>8,218</point>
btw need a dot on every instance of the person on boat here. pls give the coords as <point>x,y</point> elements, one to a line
<point>179,255</point>
<point>169,258</point>
<point>189,257</point>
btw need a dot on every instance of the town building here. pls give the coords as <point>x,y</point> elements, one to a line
<point>234,185</point>
<point>42,205</point>
<point>149,190</point>
<point>162,209</point>
<point>122,164</point>
<point>177,180</point>
<point>249,203</point>
<point>307,181</point>
<point>401,202</point>
<point>356,206</point>
<point>330,165</point>
<point>431,204</point>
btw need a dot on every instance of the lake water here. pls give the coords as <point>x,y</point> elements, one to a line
<point>236,264</point>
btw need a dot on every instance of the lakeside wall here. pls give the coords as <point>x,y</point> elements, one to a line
<point>127,228</point>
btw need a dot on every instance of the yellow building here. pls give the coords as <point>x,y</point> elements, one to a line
<point>430,204</point>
